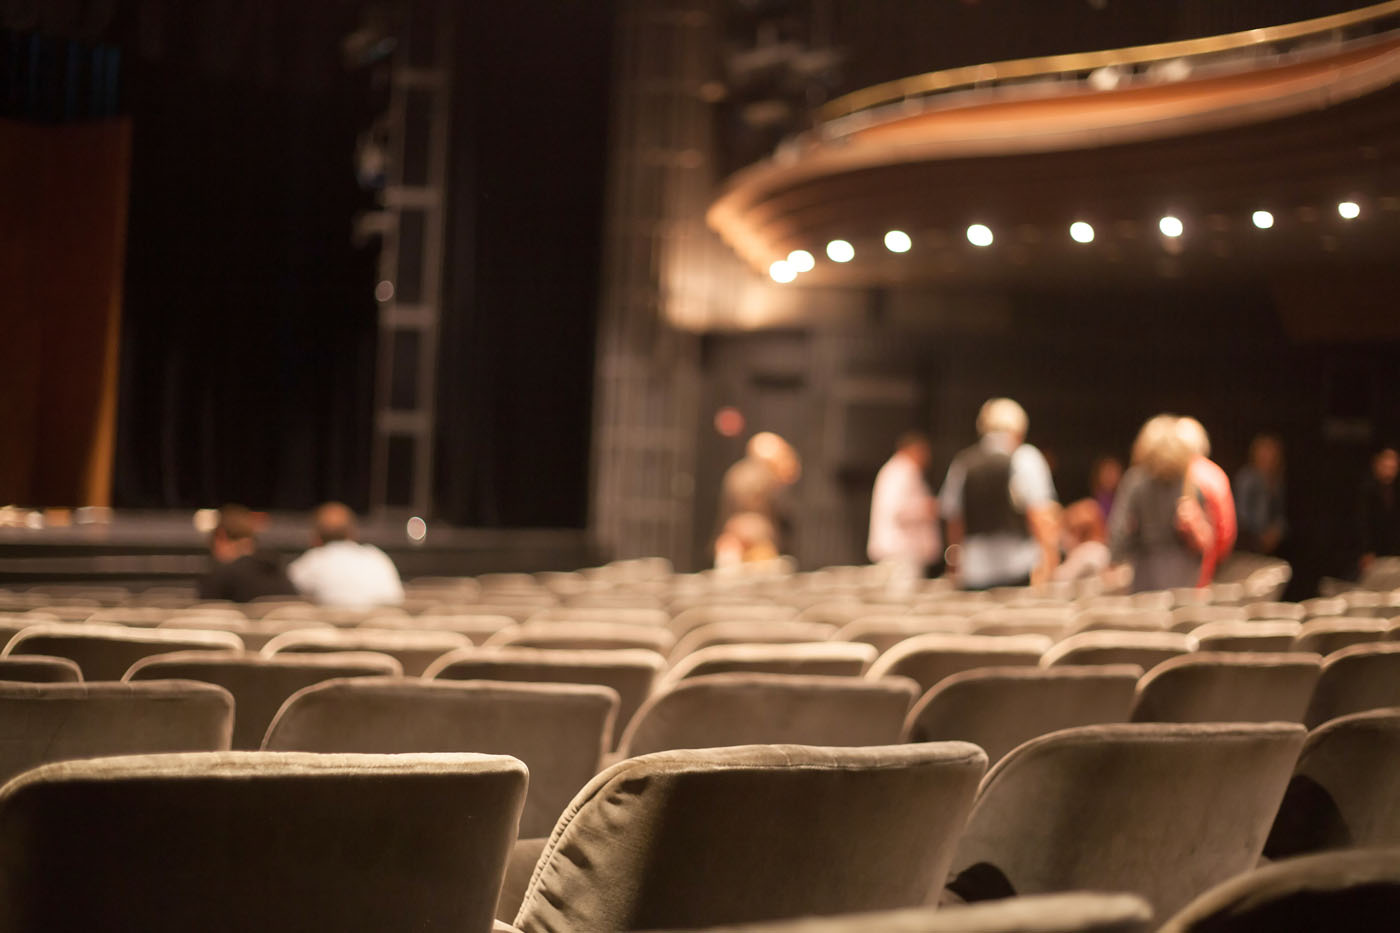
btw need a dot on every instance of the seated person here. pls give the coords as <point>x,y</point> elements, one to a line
<point>240,572</point>
<point>1085,541</point>
<point>341,571</point>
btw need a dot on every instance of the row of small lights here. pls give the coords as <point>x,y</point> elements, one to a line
<point>980,235</point>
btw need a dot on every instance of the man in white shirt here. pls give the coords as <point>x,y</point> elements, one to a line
<point>339,570</point>
<point>904,515</point>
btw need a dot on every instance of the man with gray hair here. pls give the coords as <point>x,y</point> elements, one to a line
<point>1000,504</point>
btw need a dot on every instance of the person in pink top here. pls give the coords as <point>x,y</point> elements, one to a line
<point>1206,476</point>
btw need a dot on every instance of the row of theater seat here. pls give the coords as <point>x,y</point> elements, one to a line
<point>684,839</point>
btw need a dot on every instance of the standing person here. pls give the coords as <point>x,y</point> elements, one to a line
<point>1104,477</point>
<point>341,571</point>
<point>1156,526</point>
<point>755,485</point>
<point>1380,510</point>
<point>1259,496</point>
<point>999,502</point>
<point>241,572</point>
<point>1205,476</point>
<point>904,514</point>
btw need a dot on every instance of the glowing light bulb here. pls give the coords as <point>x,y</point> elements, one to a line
<point>782,271</point>
<point>801,260</point>
<point>979,235</point>
<point>840,251</point>
<point>1263,219</point>
<point>1081,232</point>
<point>416,529</point>
<point>897,241</point>
<point>1349,210</point>
<point>1171,226</point>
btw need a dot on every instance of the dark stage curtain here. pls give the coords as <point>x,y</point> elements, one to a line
<point>247,354</point>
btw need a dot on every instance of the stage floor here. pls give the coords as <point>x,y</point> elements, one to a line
<point>145,547</point>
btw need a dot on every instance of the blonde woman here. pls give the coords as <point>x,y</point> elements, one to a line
<point>1158,522</point>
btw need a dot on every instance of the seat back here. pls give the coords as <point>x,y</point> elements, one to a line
<point>255,633</point>
<point>1356,679</point>
<point>1344,790</point>
<point>40,669</point>
<point>696,616</point>
<point>558,730</point>
<point>584,636</point>
<point>240,841</point>
<point>1325,636</point>
<point>785,831</point>
<point>829,658</point>
<point>1228,687</point>
<point>476,626</point>
<point>1187,618</point>
<point>1246,636</point>
<point>883,632</point>
<point>1050,913</point>
<point>1123,620</point>
<point>64,721</point>
<point>927,659</point>
<point>779,709</point>
<point>1293,612</point>
<point>259,685</point>
<point>414,650</point>
<point>1145,649</point>
<point>772,631</point>
<point>998,708</point>
<point>1162,811</point>
<point>105,651</point>
<point>1335,891</point>
<point>630,673</point>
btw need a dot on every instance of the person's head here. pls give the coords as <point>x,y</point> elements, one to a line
<point>1161,449</point>
<point>235,535</point>
<point>1266,454</point>
<point>1193,435</point>
<point>1003,416</point>
<point>1083,521</point>
<point>1105,474</point>
<point>916,446</point>
<point>778,454</point>
<point>334,522</point>
<point>1386,465</point>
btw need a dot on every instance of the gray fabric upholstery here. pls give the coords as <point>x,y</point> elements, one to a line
<point>1246,636</point>
<point>1049,913</point>
<point>757,709</point>
<point>1356,679</point>
<point>414,650</point>
<point>1325,636</point>
<point>40,669</point>
<point>1228,687</point>
<point>697,838</point>
<point>476,627</point>
<point>1145,649</point>
<point>998,708</point>
<point>1275,610</point>
<point>773,631</point>
<point>584,636</point>
<point>255,632</point>
<point>884,632</point>
<point>1187,618</point>
<point>558,730</point>
<point>631,673</point>
<point>927,659</point>
<point>259,685</point>
<point>242,841</point>
<point>62,721</point>
<point>1345,790</point>
<point>1355,890</point>
<point>105,651</point>
<point>830,658</point>
<point>1162,811</point>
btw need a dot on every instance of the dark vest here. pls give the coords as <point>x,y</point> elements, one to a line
<point>987,505</point>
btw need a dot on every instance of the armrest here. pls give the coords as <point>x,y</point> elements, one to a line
<point>519,870</point>
<point>502,927</point>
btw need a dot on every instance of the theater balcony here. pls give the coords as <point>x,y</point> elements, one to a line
<point>1230,156</point>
